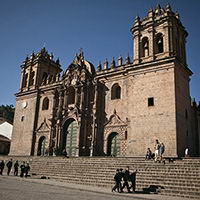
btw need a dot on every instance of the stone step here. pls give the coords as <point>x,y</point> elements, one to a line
<point>147,181</point>
<point>171,181</point>
<point>120,163</point>
<point>111,174</point>
<point>181,178</point>
<point>100,159</point>
<point>139,185</point>
<point>104,166</point>
<point>189,195</point>
<point>155,168</point>
<point>112,171</point>
<point>47,159</point>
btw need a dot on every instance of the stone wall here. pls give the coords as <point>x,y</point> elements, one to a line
<point>23,127</point>
<point>146,123</point>
<point>185,136</point>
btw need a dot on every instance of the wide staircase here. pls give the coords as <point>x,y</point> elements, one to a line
<point>177,178</point>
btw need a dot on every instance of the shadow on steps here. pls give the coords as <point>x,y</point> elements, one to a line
<point>152,189</point>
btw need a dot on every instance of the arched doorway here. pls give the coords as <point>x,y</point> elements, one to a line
<point>70,130</point>
<point>41,146</point>
<point>113,148</point>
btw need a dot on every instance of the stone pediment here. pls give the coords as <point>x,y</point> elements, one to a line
<point>115,120</point>
<point>43,126</point>
<point>79,71</point>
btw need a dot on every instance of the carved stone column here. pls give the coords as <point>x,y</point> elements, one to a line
<point>136,49</point>
<point>22,79</point>
<point>58,135</point>
<point>77,95</point>
<point>82,98</point>
<point>59,117</point>
<point>65,99</point>
<point>93,139</point>
<point>52,143</point>
<point>151,43</point>
<point>29,77</point>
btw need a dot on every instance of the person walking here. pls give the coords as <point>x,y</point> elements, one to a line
<point>157,147</point>
<point>126,178</point>
<point>117,179</point>
<point>16,166</point>
<point>121,173</point>
<point>9,166</point>
<point>133,180</point>
<point>161,151</point>
<point>2,165</point>
<point>22,166</point>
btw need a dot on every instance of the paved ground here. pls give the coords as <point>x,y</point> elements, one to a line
<point>16,188</point>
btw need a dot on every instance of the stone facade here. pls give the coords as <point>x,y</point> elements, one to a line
<point>117,110</point>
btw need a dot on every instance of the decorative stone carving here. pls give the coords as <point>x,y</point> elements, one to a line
<point>44,127</point>
<point>115,121</point>
<point>115,124</point>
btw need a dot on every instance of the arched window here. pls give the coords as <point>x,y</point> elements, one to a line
<point>116,91</point>
<point>145,47</point>
<point>45,104</point>
<point>25,80</point>
<point>32,78</point>
<point>159,43</point>
<point>71,95</point>
<point>44,78</point>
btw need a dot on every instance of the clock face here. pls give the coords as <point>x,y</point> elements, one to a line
<point>24,104</point>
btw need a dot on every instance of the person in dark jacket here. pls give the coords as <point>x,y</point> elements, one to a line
<point>2,165</point>
<point>121,177</point>
<point>26,169</point>
<point>16,166</point>
<point>9,166</point>
<point>22,166</point>
<point>126,178</point>
<point>133,180</point>
<point>117,179</point>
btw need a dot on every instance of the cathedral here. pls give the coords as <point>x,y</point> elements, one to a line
<point>116,109</point>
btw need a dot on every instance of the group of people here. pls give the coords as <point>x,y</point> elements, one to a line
<point>122,179</point>
<point>25,168</point>
<point>158,154</point>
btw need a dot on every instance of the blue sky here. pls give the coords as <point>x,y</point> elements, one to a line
<point>100,27</point>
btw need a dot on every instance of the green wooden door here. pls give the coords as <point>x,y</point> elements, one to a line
<point>42,145</point>
<point>71,140</point>
<point>115,146</point>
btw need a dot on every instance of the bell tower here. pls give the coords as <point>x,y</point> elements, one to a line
<point>159,35</point>
<point>39,69</point>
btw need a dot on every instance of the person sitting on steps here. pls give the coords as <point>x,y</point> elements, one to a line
<point>148,154</point>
